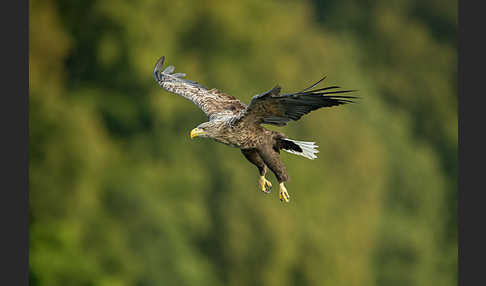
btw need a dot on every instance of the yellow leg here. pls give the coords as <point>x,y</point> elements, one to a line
<point>284,195</point>
<point>265,185</point>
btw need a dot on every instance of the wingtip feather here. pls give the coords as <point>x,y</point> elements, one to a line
<point>157,68</point>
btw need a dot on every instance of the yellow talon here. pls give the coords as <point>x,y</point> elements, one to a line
<point>284,195</point>
<point>265,185</point>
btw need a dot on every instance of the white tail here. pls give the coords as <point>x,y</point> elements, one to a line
<point>309,149</point>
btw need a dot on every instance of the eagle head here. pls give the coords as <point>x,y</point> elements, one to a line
<point>205,130</point>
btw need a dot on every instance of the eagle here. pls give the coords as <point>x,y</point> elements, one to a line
<point>233,123</point>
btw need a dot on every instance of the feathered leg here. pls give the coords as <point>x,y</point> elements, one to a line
<point>271,158</point>
<point>252,156</point>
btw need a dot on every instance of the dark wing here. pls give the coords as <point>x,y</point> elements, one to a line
<point>273,108</point>
<point>213,102</point>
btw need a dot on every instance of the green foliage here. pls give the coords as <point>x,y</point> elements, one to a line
<point>119,194</point>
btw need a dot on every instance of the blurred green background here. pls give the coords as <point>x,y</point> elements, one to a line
<point>119,194</point>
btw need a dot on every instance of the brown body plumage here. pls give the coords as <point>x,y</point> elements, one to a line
<point>233,123</point>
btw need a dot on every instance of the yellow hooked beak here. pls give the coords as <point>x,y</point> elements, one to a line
<point>197,132</point>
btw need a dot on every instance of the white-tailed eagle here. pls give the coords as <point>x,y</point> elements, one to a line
<point>233,123</point>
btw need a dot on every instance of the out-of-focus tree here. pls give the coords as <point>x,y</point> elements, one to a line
<point>119,195</point>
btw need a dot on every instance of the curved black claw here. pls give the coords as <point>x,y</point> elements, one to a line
<point>268,189</point>
<point>157,68</point>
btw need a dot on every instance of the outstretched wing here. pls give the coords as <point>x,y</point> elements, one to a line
<point>213,102</point>
<point>273,108</point>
